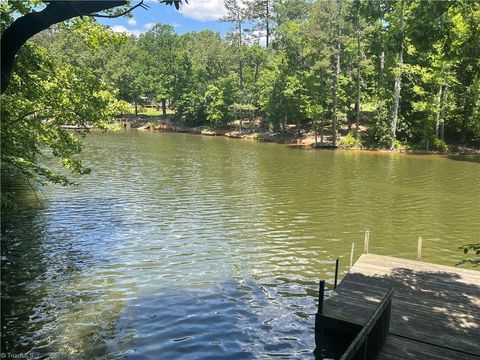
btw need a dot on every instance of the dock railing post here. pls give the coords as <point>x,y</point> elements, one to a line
<point>367,239</point>
<point>336,274</point>
<point>321,296</point>
<point>351,255</point>
<point>419,248</point>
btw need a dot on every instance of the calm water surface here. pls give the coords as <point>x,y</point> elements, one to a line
<point>188,247</point>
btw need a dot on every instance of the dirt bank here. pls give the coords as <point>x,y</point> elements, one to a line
<point>306,140</point>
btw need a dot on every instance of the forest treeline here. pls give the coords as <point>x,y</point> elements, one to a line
<point>393,73</point>
<point>411,66</point>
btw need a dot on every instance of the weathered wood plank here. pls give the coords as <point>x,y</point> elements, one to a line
<point>406,349</point>
<point>436,304</point>
<point>388,263</point>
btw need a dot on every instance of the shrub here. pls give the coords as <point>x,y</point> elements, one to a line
<point>439,145</point>
<point>350,141</point>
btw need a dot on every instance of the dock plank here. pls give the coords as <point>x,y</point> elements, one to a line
<point>433,304</point>
<point>406,349</point>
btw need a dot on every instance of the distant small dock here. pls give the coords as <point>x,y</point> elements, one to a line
<point>435,310</point>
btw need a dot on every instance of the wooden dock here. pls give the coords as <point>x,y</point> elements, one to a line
<point>435,310</point>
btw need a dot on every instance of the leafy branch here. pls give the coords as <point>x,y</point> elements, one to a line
<point>470,248</point>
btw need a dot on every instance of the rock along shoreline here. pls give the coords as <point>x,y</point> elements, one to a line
<point>305,140</point>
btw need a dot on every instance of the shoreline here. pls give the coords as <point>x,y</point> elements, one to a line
<point>307,141</point>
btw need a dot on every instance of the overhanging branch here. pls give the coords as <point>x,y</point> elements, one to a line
<point>28,25</point>
<point>141,4</point>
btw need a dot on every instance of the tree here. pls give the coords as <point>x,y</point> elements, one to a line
<point>329,29</point>
<point>411,65</point>
<point>237,13</point>
<point>155,63</point>
<point>399,17</point>
<point>220,98</point>
<point>18,31</point>
<point>201,59</point>
<point>109,55</point>
<point>261,12</point>
<point>362,64</point>
<point>290,10</point>
<point>215,105</point>
<point>43,95</point>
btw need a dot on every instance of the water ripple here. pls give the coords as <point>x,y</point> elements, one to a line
<point>184,247</point>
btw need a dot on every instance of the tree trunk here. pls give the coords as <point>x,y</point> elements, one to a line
<point>397,87</point>
<point>321,132</point>
<point>358,89</point>
<point>336,74</point>
<point>240,62</point>
<point>463,138</point>
<point>442,113</point>
<point>24,27</point>
<point>240,73</point>
<point>298,127</point>
<point>380,90</point>
<point>267,23</point>
<point>241,120</point>
<point>439,111</point>
<point>382,67</point>
<point>396,102</point>
<point>442,130</point>
<point>164,108</point>
<point>440,123</point>
<point>136,108</point>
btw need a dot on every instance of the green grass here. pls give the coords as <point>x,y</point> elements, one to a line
<point>149,111</point>
<point>153,111</point>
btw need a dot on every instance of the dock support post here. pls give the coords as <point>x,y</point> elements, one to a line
<point>321,296</point>
<point>367,239</point>
<point>336,275</point>
<point>351,255</point>
<point>419,248</point>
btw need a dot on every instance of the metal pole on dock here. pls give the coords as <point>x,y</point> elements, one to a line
<point>367,238</point>
<point>336,274</point>
<point>321,296</point>
<point>419,248</point>
<point>351,255</point>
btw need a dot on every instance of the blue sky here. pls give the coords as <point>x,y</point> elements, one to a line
<point>195,16</point>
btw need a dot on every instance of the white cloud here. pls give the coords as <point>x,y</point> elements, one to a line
<point>132,22</point>
<point>258,37</point>
<point>119,28</point>
<point>148,26</point>
<point>123,29</point>
<point>203,10</point>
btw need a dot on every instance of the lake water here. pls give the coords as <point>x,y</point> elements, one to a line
<point>188,247</point>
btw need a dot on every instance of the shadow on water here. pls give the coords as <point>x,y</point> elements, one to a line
<point>57,303</point>
<point>22,262</point>
<point>51,303</point>
<point>467,158</point>
<point>439,308</point>
<point>234,320</point>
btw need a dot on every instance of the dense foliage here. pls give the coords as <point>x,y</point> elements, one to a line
<point>408,71</point>
<point>387,73</point>
<point>44,94</point>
